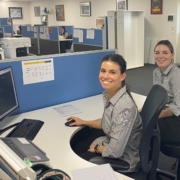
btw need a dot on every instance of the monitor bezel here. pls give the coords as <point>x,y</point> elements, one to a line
<point>15,93</point>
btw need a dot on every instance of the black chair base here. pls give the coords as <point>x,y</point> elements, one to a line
<point>165,174</point>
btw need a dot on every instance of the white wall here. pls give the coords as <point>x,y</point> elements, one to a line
<point>157,26</point>
<point>4,11</point>
<point>72,12</point>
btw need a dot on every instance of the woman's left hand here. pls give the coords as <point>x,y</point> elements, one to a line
<point>91,148</point>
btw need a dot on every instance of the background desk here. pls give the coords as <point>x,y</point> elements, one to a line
<point>54,137</point>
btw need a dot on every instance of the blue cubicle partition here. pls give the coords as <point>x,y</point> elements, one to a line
<point>5,21</point>
<point>29,31</point>
<point>52,31</point>
<point>97,41</point>
<point>76,77</point>
<point>8,30</point>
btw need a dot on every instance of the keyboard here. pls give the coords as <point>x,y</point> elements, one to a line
<point>27,128</point>
<point>12,146</point>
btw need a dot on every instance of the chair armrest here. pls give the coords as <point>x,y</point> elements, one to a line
<point>116,164</point>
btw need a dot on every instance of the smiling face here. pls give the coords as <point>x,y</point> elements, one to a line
<point>163,56</point>
<point>110,76</point>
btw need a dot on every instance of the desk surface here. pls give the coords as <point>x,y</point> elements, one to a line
<point>54,137</point>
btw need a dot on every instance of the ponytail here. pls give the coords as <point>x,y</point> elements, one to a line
<point>128,90</point>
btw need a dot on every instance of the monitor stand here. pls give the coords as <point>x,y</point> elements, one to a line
<point>9,127</point>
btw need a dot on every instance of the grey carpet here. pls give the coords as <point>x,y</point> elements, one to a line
<point>141,81</point>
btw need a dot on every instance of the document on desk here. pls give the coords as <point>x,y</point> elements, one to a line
<point>67,110</point>
<point>101,172</point>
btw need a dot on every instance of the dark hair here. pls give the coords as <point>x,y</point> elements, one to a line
<point>166,43</point>
<point>116,58</point>
<point>63,27</point>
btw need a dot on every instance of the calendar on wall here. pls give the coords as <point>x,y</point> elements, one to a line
<point>36,71</point>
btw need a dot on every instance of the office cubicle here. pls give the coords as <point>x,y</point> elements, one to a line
<point>44,39</point>
<point>73,79</point>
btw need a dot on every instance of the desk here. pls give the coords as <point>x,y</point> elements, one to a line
<point>54,137</point>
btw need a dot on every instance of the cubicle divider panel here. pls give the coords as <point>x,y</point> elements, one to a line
<point>48,47</point>
<point>5,21</point>
<point>34,46</point>
<point>96,41</point>
<point>29,31</point>
<point>8,30</point>
<point>87,43</point>
<point>48,40</point>
<point>85,47</point>
<point>75,77</point>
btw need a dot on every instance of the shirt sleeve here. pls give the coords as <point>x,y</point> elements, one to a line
<point>175,84</point>
<point>120,133</point>
<point>66,34</point>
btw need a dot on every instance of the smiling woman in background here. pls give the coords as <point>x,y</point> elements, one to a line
<point>168,75</point>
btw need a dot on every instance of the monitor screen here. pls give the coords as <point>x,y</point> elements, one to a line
<point>8,96</point>
<point>1,34</point>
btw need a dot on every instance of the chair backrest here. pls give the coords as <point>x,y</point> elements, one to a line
<point>150,143</point>
<point>69,43</point>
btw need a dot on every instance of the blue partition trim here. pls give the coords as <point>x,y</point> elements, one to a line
<point>76,77</point>
<point>97,41</point>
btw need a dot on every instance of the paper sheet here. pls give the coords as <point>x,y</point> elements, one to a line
<point>28,28</point>
<point>76,33</point>
<point>35,35</point>
<point>41,29</point>
<point>90,34</point>
<point>101,172</point>
<point>37,71</point>
<point>80,35</point>
<point>67,110</point>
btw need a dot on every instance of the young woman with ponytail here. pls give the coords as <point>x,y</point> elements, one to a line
<point>121,122</point>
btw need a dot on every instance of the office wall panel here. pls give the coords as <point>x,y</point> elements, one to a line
<point>76,77</point>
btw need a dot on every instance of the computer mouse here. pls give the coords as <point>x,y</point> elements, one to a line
<point>69,122</point>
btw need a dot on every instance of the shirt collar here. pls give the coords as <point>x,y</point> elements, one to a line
<point>168,69</point>
<point>116,97</point>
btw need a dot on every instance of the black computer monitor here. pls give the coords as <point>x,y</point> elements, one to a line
<point>8,96</point>
<point>1,34</point>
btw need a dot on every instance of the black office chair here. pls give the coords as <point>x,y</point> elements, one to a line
<point>69,43</point>
<point>150,143</point>
<point>171,150</point>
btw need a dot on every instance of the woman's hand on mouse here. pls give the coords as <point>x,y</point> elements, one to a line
<point>78,121</point>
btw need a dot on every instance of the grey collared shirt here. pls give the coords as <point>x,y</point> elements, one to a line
<point>122,125</point>
<point>170,80</point>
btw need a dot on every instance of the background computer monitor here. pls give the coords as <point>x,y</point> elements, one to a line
<point>1,34</point>
<point>8,96</point>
